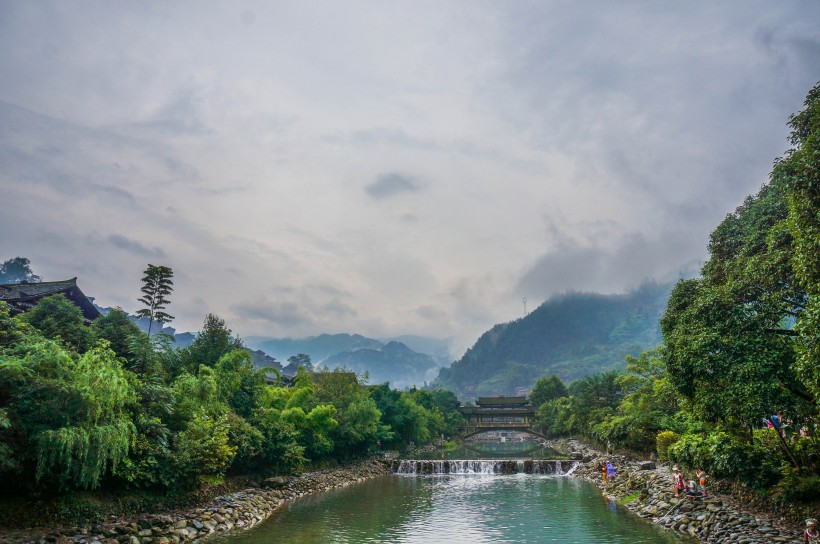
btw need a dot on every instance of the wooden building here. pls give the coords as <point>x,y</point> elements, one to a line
<point>22,297</point>
<point>497,412</point>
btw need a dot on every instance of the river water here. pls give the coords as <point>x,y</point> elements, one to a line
<point>456,508</point>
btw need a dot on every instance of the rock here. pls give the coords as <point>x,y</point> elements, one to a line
<point>648,465</point>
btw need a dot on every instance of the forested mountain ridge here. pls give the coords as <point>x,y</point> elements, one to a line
<point>570,335</point>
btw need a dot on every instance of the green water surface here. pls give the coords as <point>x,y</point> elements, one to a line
<point>454,509</point>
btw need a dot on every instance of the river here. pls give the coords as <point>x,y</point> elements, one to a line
<point>456,508</point>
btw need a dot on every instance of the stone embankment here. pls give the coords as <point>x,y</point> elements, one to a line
<point>234,511</point>
<point>647,491</point>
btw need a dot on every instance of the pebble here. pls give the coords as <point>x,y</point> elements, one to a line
<point>714,521</point>
<point>240,509</point>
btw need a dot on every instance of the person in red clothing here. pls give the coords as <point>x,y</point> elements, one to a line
<point>677,481</point>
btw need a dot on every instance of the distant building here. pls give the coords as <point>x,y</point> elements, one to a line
<point>22,297</point>
<point>522,392</point>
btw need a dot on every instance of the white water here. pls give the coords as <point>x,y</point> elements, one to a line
<point>413,467</point>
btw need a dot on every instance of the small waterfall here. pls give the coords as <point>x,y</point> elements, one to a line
<point>415,467</point>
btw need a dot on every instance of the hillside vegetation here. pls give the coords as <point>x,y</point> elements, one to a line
<point>571,335</point>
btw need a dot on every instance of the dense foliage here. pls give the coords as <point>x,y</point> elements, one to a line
<point>570,335</point>
<point>740,344</point>
<point>108,406</point>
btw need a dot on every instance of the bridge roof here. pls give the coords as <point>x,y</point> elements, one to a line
<point>501,401</point>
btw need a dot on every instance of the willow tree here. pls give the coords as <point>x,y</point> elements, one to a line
<point>72,412</point>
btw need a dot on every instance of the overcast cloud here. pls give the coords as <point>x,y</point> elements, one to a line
<point>386,168</point>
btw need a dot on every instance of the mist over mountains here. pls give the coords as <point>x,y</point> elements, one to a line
<point>404,361</point>
<point>571,335</point>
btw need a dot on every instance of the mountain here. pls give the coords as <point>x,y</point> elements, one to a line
<point>318,347</point>
<point>395,363</point>
<point>436,348</point>
<point>571,335</point>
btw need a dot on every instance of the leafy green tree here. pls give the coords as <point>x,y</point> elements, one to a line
<point>728,335</point>
<point>117,328</point>
<point>799,170</point>
<point>157,285</point>
<point>356,412</point>
<point>73,413</point>
<point>648,406</point>
<point>213,342</point>
<point>58,318</point>
<point>18,270</point>
<point>547,389</point>
<point>239,383</point>
<point>203,448</point>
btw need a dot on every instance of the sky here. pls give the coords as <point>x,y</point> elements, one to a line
<point>386,168</point>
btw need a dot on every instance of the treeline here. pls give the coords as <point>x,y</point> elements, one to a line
<point>741,343</point>
<point>109,406</point>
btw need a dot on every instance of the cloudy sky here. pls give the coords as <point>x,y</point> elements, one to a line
<point>386,168</point>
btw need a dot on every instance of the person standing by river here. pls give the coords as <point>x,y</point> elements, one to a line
<point>810,535</point>
<point>677,481</point>
<point>610,471</point>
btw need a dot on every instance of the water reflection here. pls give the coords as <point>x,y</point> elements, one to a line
<point>453,509</point>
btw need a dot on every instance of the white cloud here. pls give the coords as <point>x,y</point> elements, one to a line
<point>415,168</point>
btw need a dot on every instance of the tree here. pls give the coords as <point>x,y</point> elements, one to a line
<point>156,286</point>
<point>17,270</point>
<point>729,334</point>
<point>547,389</point>
<point>117,328</point>
<point>58,318</point>
<point>210,345</point>
<point>72,412</point>
<point>299,360</point>
<point>800,171</point>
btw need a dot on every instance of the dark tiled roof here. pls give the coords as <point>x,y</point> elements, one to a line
<point>23,296</point>
<point>502,400</point>
<point>23,291</point>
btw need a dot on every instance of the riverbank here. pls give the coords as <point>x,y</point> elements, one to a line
<point>233,511</point>
<point>646,490</point>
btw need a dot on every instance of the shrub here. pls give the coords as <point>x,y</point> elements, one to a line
<point>203,448</point>
<point>663,440</point>
<point>724,456</point>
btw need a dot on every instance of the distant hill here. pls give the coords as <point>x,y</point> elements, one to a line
<point>436,348</point>
<point>570,335</point>
<point>394,363</point>
<point>389,360</point>
<point>318,347</point>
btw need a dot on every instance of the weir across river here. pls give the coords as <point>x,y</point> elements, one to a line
<point>485,466</point>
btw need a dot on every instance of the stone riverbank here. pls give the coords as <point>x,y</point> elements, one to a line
<point>647,491</point>
<point>234,511</point>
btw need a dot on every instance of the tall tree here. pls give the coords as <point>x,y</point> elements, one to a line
<point>18,270</point>
<point>156,287</point>
<point>800,170</point>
